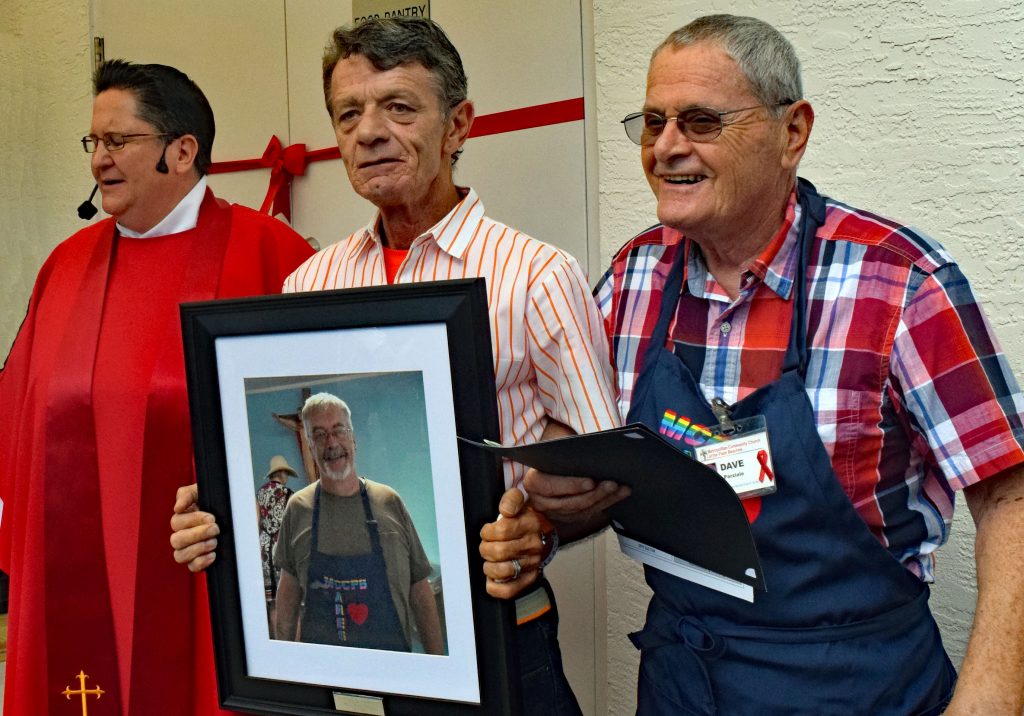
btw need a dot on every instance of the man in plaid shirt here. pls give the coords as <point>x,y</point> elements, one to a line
<point>883,390</point>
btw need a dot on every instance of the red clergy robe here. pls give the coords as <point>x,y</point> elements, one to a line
<point>94,440</point>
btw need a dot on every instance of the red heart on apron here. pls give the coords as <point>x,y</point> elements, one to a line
<point>358,612</point>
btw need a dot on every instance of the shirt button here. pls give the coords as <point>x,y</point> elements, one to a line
<point>725,328</point>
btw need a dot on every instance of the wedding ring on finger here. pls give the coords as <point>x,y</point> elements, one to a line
<point>517,569</point>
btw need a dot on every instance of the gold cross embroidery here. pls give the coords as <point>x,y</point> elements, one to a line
<point>68,693</point>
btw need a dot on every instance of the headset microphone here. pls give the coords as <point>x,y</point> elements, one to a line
<point>87,210</point>
<point>161,166</point>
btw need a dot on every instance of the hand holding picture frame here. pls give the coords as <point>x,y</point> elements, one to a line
<point>415,363</point>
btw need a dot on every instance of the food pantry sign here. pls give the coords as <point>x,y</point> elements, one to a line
<point>367,9</point>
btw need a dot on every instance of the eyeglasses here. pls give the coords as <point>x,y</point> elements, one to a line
<point>320,435</point>
<point>112,141</point>
<point>699,124</point>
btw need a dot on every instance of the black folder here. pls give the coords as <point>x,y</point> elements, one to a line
<point>678,505</point>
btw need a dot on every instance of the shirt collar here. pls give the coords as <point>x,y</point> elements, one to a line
<point>447,233</point>
<point>183,217</point>
<point>775,266</point>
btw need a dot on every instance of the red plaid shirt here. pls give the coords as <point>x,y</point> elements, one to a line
<point>911,393</point>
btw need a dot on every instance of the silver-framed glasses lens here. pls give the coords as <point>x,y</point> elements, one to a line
<point>320,435</point>
<point>698,125</point>
<point>114,141</point>
<point>90,143</point>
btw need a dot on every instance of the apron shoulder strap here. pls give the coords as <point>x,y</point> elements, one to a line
<point>371,523</point>
<point>669,300</point>
<point>812,216</point>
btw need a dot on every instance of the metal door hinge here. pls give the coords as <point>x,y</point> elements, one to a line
<point>98,55</point>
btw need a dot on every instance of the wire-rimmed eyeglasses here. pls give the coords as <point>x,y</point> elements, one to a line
<point>700,124</point>
<point>320,435</point>
<point>112,141</point>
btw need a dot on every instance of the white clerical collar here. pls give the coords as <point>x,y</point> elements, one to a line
<point>183,217</point>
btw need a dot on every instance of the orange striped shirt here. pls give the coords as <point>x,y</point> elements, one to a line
<point>551,356</point>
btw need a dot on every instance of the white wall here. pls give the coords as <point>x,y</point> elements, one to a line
<point>45,106</point>
<point>919,117</point>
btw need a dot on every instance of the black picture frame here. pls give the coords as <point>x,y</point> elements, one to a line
<point>439,328</point>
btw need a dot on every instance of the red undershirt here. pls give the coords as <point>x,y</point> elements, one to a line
<point>392,262</point>
<point>393,259</point>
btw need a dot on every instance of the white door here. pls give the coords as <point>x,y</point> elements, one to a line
<point>258,61</point>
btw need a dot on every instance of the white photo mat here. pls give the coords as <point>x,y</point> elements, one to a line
<point>414,347</point>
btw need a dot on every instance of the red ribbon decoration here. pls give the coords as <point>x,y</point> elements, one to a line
<point>539,115</point>
<point>762,458</point>
<point>286,163</point>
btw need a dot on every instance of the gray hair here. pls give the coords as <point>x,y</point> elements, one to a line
<point>766,58</point>
<point>318,402</point>
<point>390,42</point>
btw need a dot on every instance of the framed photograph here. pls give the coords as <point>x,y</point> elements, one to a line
<point>348,578</point>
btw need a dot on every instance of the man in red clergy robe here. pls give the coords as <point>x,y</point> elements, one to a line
<point>94,426</point>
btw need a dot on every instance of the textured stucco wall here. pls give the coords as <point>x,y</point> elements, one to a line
<point>45,105</point>
<point>919,117</point>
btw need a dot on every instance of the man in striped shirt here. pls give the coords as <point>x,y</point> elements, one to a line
<point>396,94</point>
<point>861,344</point>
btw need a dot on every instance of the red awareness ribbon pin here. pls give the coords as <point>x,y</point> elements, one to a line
<point>762,458</point>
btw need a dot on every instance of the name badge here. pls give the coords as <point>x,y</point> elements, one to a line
<point>742,455</point>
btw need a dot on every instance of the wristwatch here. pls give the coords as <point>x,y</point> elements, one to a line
<point>549,538</point>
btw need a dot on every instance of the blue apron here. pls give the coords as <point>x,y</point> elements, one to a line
<point>844,628</point>
<point>348,599</point>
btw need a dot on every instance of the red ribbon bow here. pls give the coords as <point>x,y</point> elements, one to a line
<point>285,163</point>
